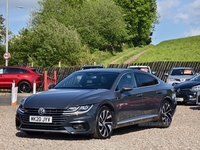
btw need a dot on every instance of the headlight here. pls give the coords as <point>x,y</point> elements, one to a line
<point>171,79</point>
<point>78,109</point>
<point>21,105</point>
<point>196,88</point>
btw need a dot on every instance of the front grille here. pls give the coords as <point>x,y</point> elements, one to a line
<point>57,118</point>
<point>42,127</point>
<point>47,111</point>
<point>178,80</point>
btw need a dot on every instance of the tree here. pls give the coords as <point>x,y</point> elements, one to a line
<point>47,44</point>
<point>2,29</point>
<point>141,17</point>
<point>99,23</point>
<point>2,39</point>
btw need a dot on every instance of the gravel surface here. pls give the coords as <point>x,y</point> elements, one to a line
<point>183,134</point>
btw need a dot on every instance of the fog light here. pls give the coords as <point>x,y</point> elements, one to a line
<point>78,126</point>
<point>17,121</point>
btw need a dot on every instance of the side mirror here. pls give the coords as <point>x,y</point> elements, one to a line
<point>51,86</point>
<point>166,74</point>
<point>126,88</point>
<point>153,72</point>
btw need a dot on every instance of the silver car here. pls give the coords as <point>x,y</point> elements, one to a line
<point>179,74</point>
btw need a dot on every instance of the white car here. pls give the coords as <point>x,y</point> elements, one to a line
<point>143,68</point>
<point>179,74</point>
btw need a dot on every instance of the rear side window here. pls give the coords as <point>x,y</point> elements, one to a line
<point>24,71</point>
<point>11,70</point>
<point>145,79</point>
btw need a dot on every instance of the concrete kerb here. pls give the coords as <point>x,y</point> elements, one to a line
<point>18,94</point>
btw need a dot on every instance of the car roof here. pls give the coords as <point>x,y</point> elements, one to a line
<point>119,70</point>
<point>92,66</point>
<point>182,68</point>
<point>20,67</point>
<point>138,66</point>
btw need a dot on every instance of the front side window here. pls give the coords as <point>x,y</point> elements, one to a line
<point>145,79</point>
<point>126,79</point>
<point>4,70</point>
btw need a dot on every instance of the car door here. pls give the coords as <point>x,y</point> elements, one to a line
<point>8,76</point>
<point>129,104</point>
<point>5,78</point>
<point>152,94</point>
<point>2,81</point>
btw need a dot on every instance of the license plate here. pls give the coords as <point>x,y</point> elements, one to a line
<point>40,119</point>
<point>178,99</point>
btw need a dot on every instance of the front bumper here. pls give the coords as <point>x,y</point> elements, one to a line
<point>198,98</point>
<point>185,96</point>
<point>61,123</point>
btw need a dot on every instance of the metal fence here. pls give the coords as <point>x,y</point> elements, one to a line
<point>160,68</point>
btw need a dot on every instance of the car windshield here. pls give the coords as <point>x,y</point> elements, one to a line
<point>195,78</point>
<point>182,72</point>
<point>88,80</point>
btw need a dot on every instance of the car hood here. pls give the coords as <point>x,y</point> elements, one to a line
<point>61,98</point>
<point>181,76</point>
<point>186,84</point>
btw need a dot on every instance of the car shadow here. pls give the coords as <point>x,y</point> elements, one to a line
<point>195,107</point>
<point>64,136</point>
<point>134,128</point>
<point>54,136</point>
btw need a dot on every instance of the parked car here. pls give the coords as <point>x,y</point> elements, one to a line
<point>143,68</point>
<point>92,67</point>
<point>179,74</point>
<point>23,77</point>
<point>187,91</point>
<point>96,101</point>
<point>198,98</point>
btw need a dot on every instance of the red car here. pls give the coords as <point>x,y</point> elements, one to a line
<point>23,77</point>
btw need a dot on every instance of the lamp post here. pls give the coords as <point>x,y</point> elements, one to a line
<point>6,32</point>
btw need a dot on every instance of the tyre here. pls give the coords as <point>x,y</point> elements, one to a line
<point>165,116</point>
<point>24,87</point>
<point>104,123</point>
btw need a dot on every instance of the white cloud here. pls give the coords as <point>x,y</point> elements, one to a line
<point>192,32</point>
<point>165,8</point>
<point>181,16</point>
<point>190,11</point>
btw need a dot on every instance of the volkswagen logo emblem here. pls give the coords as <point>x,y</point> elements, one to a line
<point>41,111</point>
<point>182,80</point>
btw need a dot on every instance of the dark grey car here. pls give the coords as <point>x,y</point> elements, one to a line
<point>96,101</point>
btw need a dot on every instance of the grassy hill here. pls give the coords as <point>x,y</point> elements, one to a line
<point>183,49</point>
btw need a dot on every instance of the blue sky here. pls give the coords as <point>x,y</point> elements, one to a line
<point>178,18</point>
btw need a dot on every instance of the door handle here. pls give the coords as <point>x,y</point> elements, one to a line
<point>158,92</point>
<point>139,95</point>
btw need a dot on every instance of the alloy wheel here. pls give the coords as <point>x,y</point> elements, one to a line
<point>104,125</point>
<point>166,114</point>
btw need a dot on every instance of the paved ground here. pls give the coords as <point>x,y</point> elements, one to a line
<point>5,98</point>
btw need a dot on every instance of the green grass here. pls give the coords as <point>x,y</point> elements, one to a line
<point>183,49</point>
